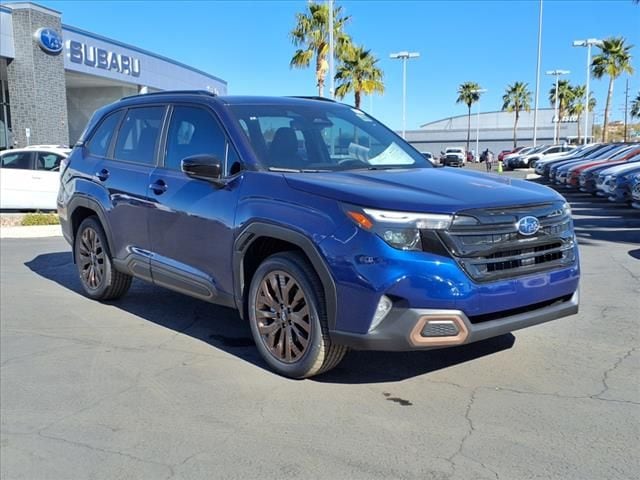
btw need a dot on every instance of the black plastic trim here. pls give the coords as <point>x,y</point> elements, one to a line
<point>260,229</point>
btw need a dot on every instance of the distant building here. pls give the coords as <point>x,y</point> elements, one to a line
<point>495,131</point>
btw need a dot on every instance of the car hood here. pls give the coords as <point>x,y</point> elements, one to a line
<point>437,190</point>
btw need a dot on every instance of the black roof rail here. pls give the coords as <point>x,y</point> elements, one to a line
<point>172,92</point>
<point>314,97</point>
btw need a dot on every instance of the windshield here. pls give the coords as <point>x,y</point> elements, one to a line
<point>322,137</point>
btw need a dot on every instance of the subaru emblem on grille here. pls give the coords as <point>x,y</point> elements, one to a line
<point>528,225</point>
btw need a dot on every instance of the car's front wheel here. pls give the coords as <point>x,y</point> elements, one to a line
<point>288,317</point>
<point>99,279</point>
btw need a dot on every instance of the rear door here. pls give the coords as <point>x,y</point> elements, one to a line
<point>46,176</point>
<point>124,173</point>
<point>16,183</point>
<point>191,222</point>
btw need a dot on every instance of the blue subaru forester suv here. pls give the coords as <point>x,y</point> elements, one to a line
<point>321,226</point>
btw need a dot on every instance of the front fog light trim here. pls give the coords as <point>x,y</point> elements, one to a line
<point>382,310</point>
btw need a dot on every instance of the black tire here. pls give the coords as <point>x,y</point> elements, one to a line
<point>319,354</point>
<point>92,252</point>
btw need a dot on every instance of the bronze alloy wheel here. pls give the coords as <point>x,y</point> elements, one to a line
<point>91,258</point>
<point>282,315</point>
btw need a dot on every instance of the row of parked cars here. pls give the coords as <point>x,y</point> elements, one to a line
<point>525,157</point>
<point>610,170</point>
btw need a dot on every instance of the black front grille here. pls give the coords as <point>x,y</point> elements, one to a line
<point>488,246</point>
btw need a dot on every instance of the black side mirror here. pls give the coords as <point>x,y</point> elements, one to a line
<point>203,167</point>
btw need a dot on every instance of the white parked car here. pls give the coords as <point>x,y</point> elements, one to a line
<point>30,177</point>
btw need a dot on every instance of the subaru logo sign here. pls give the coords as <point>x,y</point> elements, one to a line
<point>528,225</point>
<point>49,41</point>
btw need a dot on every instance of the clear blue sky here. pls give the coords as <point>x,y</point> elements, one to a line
<point>490,42</point>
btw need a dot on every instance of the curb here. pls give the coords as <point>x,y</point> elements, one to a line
<point>36,231</point>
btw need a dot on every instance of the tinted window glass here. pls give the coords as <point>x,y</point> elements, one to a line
<point>193,131</point>
<point>138,135</point>
<point>47,161</point>
<point>17,160</point>
<point>101,139</point>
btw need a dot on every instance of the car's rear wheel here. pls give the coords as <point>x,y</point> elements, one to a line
<point>288,317</point>
<point>99,279</point>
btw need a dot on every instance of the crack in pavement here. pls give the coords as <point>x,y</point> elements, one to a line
<point>605,377</point>
<point>471,430</point>
<point>108,451</point>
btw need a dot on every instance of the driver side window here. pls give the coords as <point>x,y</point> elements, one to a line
<point>193,131</point>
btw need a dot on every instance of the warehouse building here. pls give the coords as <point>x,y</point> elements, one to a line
<point>54,76</point>
<point>494,130</point>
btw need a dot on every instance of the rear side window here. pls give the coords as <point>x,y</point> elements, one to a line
<point>193,131</point>
<point>138,135</point>
<point>99,143</point>
<point>19,160</point>
<point>47,161</point>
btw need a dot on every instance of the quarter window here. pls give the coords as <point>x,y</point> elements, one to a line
<point>138,135</point>
<point>18,160</point>
<point>101,139</point>
<point>193,131</point>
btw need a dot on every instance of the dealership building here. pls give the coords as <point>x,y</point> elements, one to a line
<point>54,76</point>
<point>494,130</point>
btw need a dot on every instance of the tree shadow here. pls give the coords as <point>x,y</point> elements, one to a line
<point>222,328</point>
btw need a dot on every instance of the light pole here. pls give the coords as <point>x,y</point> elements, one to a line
<point>332,92</point>
<point>479,92</point>
<point>556,103</point>
<point>535,111</point>
<point>587,43</point>
<point>404,56</point>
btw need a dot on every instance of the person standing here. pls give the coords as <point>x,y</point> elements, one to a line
<point>489,159</point>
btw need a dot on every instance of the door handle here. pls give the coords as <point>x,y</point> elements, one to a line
<point>103,175</point>
<point>158,187</point>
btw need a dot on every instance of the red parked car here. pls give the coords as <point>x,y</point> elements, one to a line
<point>502,154</point>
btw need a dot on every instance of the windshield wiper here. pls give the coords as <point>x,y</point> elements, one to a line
<point>297,170</point>
<point>285,170</point>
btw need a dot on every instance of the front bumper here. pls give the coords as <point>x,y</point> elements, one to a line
<point>407,328</point>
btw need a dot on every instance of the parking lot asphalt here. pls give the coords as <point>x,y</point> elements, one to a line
<point>158,385</point>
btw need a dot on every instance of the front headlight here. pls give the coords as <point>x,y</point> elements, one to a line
<point>401,230</point>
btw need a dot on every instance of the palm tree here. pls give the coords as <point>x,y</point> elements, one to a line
<point>635,107</point>
<point>565,97</point>
<point>517,97</point>
<point>359,74</point>
<point>468,93</point>
<point>613,61</point>
<point>576,104</point>
<point>311,34</point>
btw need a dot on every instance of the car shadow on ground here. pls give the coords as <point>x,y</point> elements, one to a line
<point>222,328</point>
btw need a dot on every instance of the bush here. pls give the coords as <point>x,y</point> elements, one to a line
<point>40,219</point>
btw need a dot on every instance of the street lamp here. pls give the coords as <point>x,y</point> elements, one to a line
<point>404,56</point>
<point>556,73</point>
<point>587,43</point>
<point>478,91</point>
<point>332,87</point>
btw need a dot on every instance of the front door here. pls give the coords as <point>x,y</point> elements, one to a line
<point>191,222</point>
<point>16,184</point>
